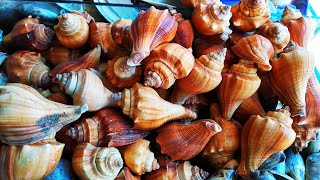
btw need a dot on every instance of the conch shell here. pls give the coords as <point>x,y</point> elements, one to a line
<point>211,18</point>
<point>298,65</point>
<point>72,30</point>
<point>205,76</point>
<point>108,127</point>
<point>80,84</point>
<point>90,162</point>
<point>120,32</point>
<point>148,30</point>
<point>147,109</point>
<point>166,63</point>
<point>28,34</point>
<point>183,142</point>
<point>28,68</point>
<point>138,157</point>
<point>248,15</point>
<point>34,161</point>
<point>27,117</point>
<point>121,75</point>
<point>263,136</point>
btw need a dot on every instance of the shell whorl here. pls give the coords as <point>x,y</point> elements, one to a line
<point>218,55</point>
<point>152,79</point>
<point>43,34</point>
<point>290,14</point>
<point>69,23</point>
<point>68,81</point>
<point>108,159</point>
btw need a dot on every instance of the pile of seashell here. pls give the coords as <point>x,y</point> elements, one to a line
<point>133,98</point>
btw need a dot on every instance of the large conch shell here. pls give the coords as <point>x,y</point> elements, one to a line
<point>28,68</point>
<point>263,136</point>
<point>90,162</point>
<point>166,63</point>
<point>222,146</point>
<point>255,48</point>
<point>28,34</point>
<point>147,109</point>
<point>248,15</point>
<point>148,30</point>
<point>86,87</point>
<point>238,84</point>
<point>27,117</point>
<point>184,141</point>
<point>178,171</point>
<point>289,77</point>
<point>34,161</point>
<point>108,127</point>
<point>72,30</point>
<point>211,18</point>
<point>121,75</point>
<point>138,157</point>
<point>205,76</point>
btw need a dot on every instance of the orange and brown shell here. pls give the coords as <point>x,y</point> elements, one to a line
<point>248,15</point>
<point>27,67</point>
<point>205,76</point>
<point>289,77</point>
<point>28,34</point>
<point>211,18</point>
<point>120,33</point>
<point>255,48</point>
<point>147,109</point>
<point>148,30</point>
<point>72,30</point>
<point>121,75</point>
<point>166,63</point>
<point>184,141</point>
<point>263,136</point>
<point>185,33</point>
<point>108,127</point>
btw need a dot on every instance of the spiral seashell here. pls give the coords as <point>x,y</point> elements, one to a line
<point>120,33</point>
<point>138,157</point>
<point>27,117</point>
<point>34,161</point>
<point>89,60</point>
<point>221,147</point>
<point>28,68</point>
<point>80,84</point>
<point>126,174</point>
<point>238,84</point>
<point>205,76</point>
<point>255,48</point>
<point>90,162</point>
<point>248,15</point>
<point>295,166</point>
<point>72,30</point>
<point>211,18</point>
<point>148,30</point>
<point>298,65</point>
<point>183,142</point>
<point>108,127</point>
<point>263,136</point>
<point>147,109</point>
<point>166,63</point>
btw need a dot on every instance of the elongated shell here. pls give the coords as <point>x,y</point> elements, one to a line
<point>147,109</point>
<point>28,68</point>
<point>89,60</point>
<point>72,30</point>
<point>120,32</point>
<point>90,162</point>
<point>138,157</point>
<point>289,77</point>
<point>205,76</point>
<point>248,15</point>
<point>166,63</point>
<point>183,142</point>
<point>121,75</point>
<point>295,166</point>
<point>86,87</point>
<point>263,136</point>
<point>27,117</point>
<point>108,127</point>
<point>34,161</point>
<point>211,18</point>
<point>148,30</point>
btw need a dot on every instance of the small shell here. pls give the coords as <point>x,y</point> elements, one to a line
<point>90,162</point>
<point>120,33</point>
<point>183,142</point>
